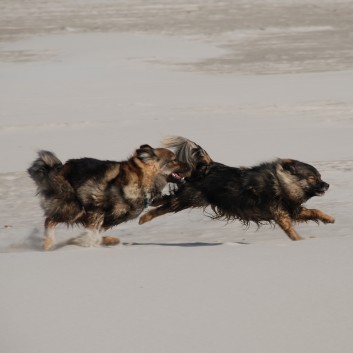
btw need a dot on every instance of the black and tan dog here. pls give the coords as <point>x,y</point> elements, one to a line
<point>100,194</point>
<point>268,193</point>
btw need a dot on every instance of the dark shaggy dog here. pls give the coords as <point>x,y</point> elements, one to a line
<point>270,192</point>
<point>100,194</point>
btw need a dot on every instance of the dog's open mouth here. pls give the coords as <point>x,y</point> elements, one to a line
<point>177,176</point>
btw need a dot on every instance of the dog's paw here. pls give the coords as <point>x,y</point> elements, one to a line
<point>110,241</point>
<point>48,244</point>
<point>328,219</point>
<point>145,218</point>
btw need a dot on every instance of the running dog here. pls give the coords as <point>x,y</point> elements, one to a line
<point>271,192</point>
<point>100,194</point>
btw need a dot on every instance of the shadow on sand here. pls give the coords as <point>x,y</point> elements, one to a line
<point>186,245</point>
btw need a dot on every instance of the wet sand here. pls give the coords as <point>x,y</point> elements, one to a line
<point>259,37</point>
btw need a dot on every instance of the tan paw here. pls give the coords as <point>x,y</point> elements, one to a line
<point>47,244</point>
<point>145,218</point>
<point>110,241</point>
<point>328,219</point>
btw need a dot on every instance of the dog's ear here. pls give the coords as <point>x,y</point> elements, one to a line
<point>200,157</point>
<point>146,147</point>
<point>289,165</point>
<point>145,153</point>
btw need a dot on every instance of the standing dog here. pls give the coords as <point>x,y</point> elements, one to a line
<point>270,192</point>
<point>100,194</point>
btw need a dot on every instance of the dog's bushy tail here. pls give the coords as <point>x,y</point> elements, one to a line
<point>41,168</point>
<point>188,151</point>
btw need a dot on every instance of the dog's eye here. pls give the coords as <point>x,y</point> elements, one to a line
<point>168,161</point>
<point>313,178</point>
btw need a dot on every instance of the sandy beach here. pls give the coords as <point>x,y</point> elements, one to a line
<point>249,81</point>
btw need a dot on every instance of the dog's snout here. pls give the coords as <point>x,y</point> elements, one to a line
<point>324,185</point>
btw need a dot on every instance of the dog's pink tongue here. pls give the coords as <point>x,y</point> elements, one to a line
<point>176,176</point>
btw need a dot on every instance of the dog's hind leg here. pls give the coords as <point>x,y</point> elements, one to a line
<point>314,215</point>
<point>159,211</point>
<point>187,197</point>
<point>285,223</point>
<point>164,206</point>
<point>49,233</point>
<point>170,204</point>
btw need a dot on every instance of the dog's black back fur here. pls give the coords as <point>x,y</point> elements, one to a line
<point>80,170</point>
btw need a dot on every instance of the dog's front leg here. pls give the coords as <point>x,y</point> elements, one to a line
<point>284,221</point>
<point>91,236</point>
<point>306,214</point>
<point>49,233</point>
<point>110,241</point>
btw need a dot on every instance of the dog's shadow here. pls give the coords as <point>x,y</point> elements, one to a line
<point>34,242</point>
<point>183,245</point>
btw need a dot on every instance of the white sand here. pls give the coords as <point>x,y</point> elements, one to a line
<point>99,85</point>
